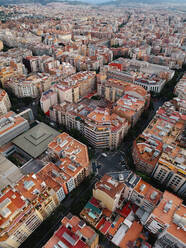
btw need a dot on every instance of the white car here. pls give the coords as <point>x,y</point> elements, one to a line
<point>104,155</point>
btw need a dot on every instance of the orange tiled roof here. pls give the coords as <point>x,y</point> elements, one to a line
<point>109,186</point>
<point>132,234</point>
<point>14,204</point>
<point>27,184</point>
<point>174,229</point>
<point>71,147</point>
<point>147,191</point>
<point>158,212</point>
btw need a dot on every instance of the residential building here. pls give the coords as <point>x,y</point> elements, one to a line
<point>109,192</point>
<point>129,231</point>
<point>105,130</point>
<point>1,45</point>
<point>70,89</point>
<point>70,150</point>
<point>37,192</point>
<point>150,76</point>
<point>86,82</point>
<point>167,221</point>
<point>18,219</point>
<point>174,234</point>
<point>145,196</point>
<point>5,104</point>
<point>180,88</point>
<point>130,108</point>
<point>113,89</point>
<point>180,92</point>
<point>48,99</point>
<point>29,86</point>
<point>103,123</point>
<point>55,179</point>
<point>73,233</point>
<point>87,234</point>
<point>159,151</point>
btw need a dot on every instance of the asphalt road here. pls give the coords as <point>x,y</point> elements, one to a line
<point>115,161</point>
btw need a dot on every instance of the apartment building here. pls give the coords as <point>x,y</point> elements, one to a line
<point>14,55</point>
<point>180,104</point>
<point>71,89</point>
<point>170,170</point>
<point>146,196</point>
<point>65,147</point>
<point>38,193</point>
<point>48,99</point>
<point>41,193</point>
<point>5,104</point>
<point>152,77</point>
<point>11,126</point>
<point>167,221</point>
<point>110,89</point>
<point>180,92</point>
<point>66,174</point>
<point>174,235</point>
<point>73,232</point>
<point>120,226</point>
<point>6,74</point>
<point>86,233</point>
<point>146,152</point>
<point>159,151</point>
<point>113,89</point>
<point>49,65</point>
<point>171,62</point>
<point>18,218</point>
<point>1,45</point>
<point>76,171</point>
<point>109,192</point>
<point>29,86</point>
<point>130,108</point>
<point>41,63</point>
<point>55,179</point>
<point>104,124</point>
<point>86,81</point>
<point>133,189</point>
<point>67,92</point>
<point>64,70</point>
<point>104,129</point>
<point>180,88</point>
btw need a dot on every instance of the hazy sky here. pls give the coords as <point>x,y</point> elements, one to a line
<point>95,1</point>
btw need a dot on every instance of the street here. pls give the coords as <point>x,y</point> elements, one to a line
<point>115,161</point>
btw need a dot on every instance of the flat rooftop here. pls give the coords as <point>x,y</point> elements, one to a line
<point>35,141</point>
